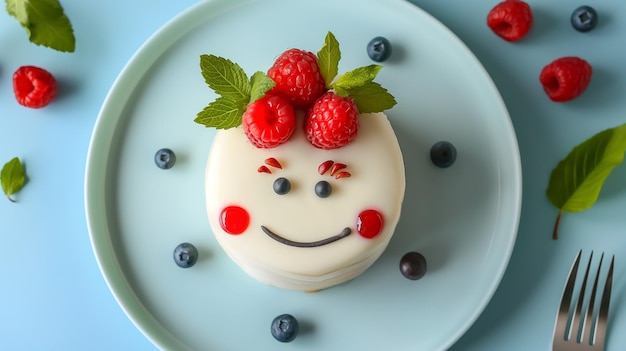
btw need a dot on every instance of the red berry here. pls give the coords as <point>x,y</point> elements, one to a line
<point>369,223</point>
<point>565,78</point>
<point>298,77</point>
<point>34,87</point>
<point>269,121</point>
<point>234,220</point>
<point>511,19</point>
<point>332,122</point>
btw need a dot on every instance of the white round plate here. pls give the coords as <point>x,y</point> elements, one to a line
<point>463,218</point>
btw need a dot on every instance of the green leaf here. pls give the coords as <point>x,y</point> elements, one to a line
<point>229,81</point>
<point>341,92</point>
<point>576,181</point>
<point>17,9</point>
<point>368,95</point>
<point>261,84</point>
<point>223,113</point>
<point>357,77</point>
<point>12,177</point>
<point>372,97</point>
<point>225,77</point>
<point>45,23</point>
<point>328,58</point>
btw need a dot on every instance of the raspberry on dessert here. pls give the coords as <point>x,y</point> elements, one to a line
<point>510,19</point>
<point>34,87</point>
<point>269,121</point>
<point>332,122</point>
<point>298,77</point>
<point>565,78</point>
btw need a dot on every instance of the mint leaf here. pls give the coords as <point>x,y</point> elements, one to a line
<point>45,23</point>
<point>12,177</point>
<point>17,9</point>
<point>226,78</point>
<point>357,77</point>
<point>223,113</point>
<point>372,97</point>
<point>340,91</point>
<point>260,83</point>
<point>230,81</point>
<point>328,58</point>
<point>576,181</point>
<point>368,95</point>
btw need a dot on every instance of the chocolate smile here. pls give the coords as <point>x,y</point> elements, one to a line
<point>344,233</point>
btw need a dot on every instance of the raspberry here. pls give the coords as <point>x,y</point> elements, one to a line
<point>298,77</point>
<point>511,19</point>
<point>269,121</point>
<point>34,87</point>
<point>332,122</point>
<point>565,78</point>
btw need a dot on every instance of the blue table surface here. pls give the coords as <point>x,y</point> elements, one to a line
<point>53,296</point>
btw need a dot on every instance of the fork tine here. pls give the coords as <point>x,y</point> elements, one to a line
<point>588,316</point>
<point>562,317</point>
<point>579,318</point>
<point>603,314</point>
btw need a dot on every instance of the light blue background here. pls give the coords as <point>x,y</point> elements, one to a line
<point>52,294</point>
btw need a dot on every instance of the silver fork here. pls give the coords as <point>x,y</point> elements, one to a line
<point>583,329</point>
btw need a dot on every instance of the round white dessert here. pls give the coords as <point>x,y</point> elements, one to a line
<point>299,240</point>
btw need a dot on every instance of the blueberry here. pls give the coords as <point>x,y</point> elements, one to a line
<point>165,158</point>
<point>323,189</point>
<point>584,18</point>
<point>285,328</point>
<point>282,186</point>
<point>443,154</point>
<point>185,255</point>
<point>413,265</point>
<point>379,49</point>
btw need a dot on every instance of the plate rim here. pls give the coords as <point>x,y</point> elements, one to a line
<point>96,169</point>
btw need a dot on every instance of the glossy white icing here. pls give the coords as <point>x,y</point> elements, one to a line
<point>377,182</point>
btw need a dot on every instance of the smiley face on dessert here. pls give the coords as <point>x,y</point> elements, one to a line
<point>299,217</point>
<point>305,177</point>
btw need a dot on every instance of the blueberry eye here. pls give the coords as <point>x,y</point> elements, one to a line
<point>323,189</point>
<point>282,186</point>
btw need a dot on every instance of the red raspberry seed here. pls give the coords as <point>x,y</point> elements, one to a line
<point>263,169</point>
<point>324,167</point>
<point>343,174</point>
<point>270,161</point>
<point>565,78</point>
<point>510,19</point>
<point>336,168</point>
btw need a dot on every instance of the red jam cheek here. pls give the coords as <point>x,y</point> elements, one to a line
<point>369,223</point>
<point>234,220</point>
